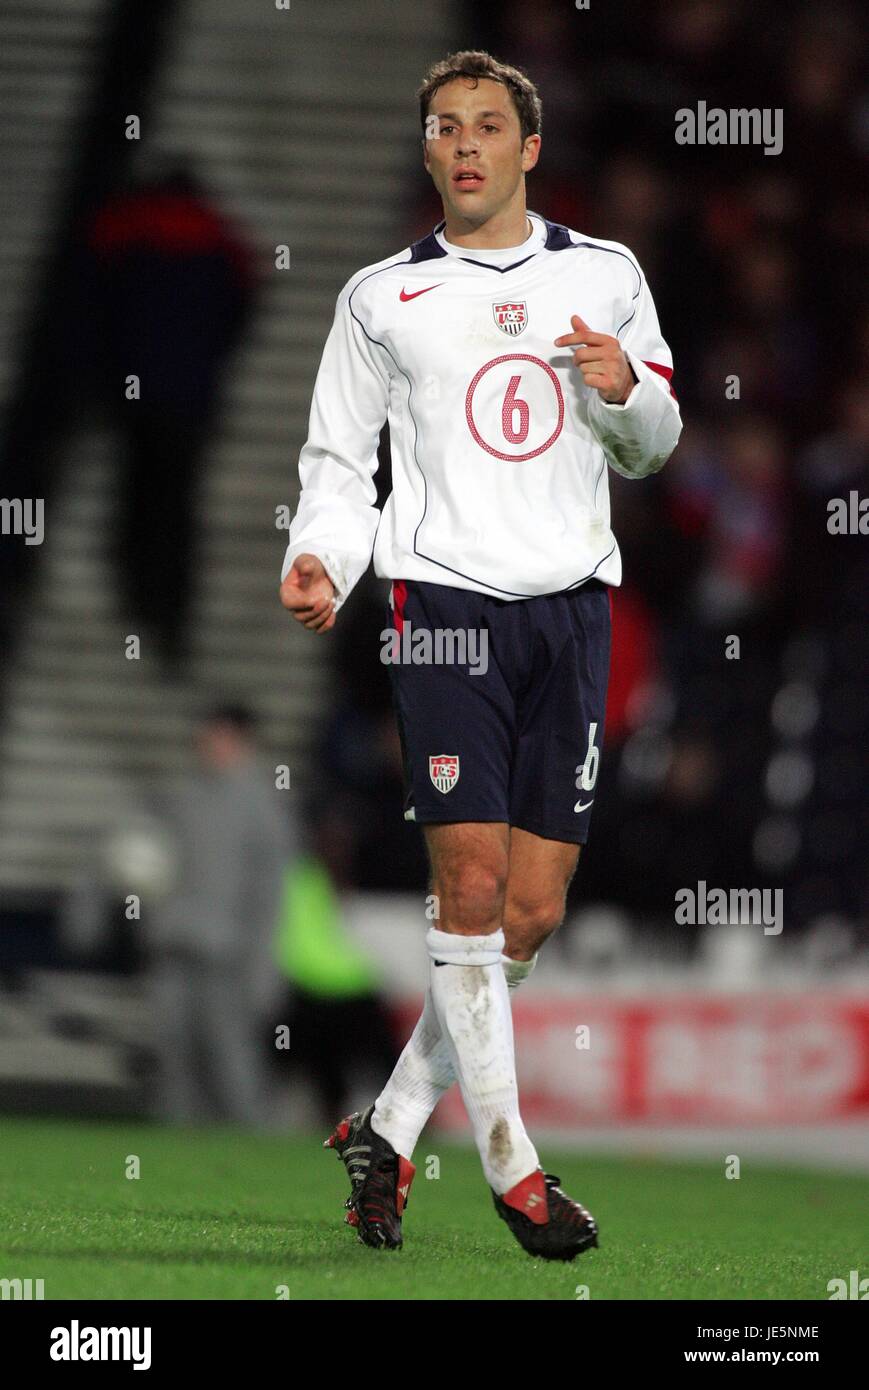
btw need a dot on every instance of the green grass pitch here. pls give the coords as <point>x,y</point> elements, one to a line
<point>218,1214</point>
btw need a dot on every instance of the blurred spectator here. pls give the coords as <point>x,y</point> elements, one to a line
<point>212,971</point>
<point>340,1034</point>
<point>734,495</point>
<point>634,665</point>
<point>834,566</point>
<point>168,283</point>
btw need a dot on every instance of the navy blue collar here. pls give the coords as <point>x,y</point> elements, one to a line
<point>428,248</point>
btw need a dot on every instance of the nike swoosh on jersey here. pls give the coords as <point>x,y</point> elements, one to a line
<point>404,296</point>
<point>580,807</point>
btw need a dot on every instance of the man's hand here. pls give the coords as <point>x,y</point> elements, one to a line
<point>602,362</point>
<point>309,594</point>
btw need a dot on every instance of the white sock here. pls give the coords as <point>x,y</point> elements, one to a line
<point>472,1001</point>
<point>424,1072</point>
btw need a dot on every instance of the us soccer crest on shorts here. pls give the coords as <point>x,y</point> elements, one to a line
<point>511,317</point>
<point>443,769</point>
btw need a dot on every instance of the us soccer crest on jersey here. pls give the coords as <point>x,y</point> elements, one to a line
<point>511,318</point>
<point>444,771</point>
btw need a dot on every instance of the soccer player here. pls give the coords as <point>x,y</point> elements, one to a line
<point>515,359</point>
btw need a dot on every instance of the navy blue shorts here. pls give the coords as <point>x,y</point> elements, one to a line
<point>500,704</point>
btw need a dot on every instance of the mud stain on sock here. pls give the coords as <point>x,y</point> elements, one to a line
<point>500,1146</point>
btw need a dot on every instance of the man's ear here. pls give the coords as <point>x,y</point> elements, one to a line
<point>530,153</point>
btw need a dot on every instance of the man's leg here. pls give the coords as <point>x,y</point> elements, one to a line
<point>425,1070</point>
<point>470,864</point>
<point>236,1068</point>
<point>538,875</point>
<point>172,997</point>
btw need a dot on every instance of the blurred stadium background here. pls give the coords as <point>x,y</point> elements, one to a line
<point>185,188</point>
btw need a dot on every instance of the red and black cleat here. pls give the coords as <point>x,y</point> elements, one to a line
<point>545,1221</point>
<point>379,1177</point>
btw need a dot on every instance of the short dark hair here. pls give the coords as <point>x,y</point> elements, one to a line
<point>239,716</point>
<point>475,62</point>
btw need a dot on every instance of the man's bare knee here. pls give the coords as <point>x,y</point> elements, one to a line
<point>528,923</point>
<point>469,878</point>
<point>540,874</point>
<point>471,900</point>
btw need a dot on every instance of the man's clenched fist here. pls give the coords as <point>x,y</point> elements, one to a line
<point>602,362</point>
<point>309,594</point>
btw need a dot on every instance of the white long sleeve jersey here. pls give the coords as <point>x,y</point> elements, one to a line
<point>499,449</point>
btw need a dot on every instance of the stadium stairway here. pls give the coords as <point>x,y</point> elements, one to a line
<point>302,123</point>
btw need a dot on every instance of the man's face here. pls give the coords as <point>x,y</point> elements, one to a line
<point>219,745</point>
<point>478,129</point>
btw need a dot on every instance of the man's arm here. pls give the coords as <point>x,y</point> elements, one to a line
<point>632,410</point>
<point>337,517</point>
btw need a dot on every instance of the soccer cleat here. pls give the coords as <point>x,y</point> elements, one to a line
<point>380,1180</point>
<point>545,1221</point>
